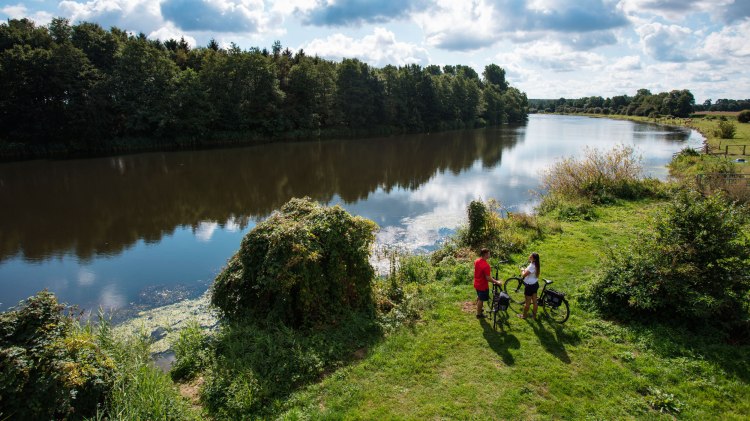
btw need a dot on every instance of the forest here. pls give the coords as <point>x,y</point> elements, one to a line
<point>83,89</point>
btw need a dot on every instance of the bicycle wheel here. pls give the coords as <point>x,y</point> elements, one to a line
<point>514,288</point>
<point>494,320</point>
<point>557,314</point>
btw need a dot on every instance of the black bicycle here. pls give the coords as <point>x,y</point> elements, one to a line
<point>499,303</point>
<point>553,303</point>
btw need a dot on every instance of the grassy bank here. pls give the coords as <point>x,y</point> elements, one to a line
<point>706,125</point>
<point>453,366</point>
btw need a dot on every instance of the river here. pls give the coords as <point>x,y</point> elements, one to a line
<point>143,230</point>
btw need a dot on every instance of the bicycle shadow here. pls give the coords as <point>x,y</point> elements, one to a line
<point>500,341</point>
<point>553,340</point>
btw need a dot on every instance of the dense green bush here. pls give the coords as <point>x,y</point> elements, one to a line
<point>49,368</point>
<point>744,116</point>
<point>478,219</point>
<point>692,266</point>
<point>305,265</point>
<point>725,129</point>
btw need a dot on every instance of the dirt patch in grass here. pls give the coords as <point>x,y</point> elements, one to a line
<point>469,306</point>
<point>192,392</point>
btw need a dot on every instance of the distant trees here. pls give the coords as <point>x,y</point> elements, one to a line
<point>82,86</point>
<point>678,103</point>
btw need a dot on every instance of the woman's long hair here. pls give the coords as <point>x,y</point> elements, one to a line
<point>535,260</point>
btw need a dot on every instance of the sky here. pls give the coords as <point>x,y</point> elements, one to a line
<point>549,48</point>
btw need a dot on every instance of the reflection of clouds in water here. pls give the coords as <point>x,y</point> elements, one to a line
<point>232,225</point>
<point>110,298</point>
<point>86,277</point>
<point>205,231</point>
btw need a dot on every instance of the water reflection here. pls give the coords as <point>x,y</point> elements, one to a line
<point>103,206</point>
<point>147,229</point>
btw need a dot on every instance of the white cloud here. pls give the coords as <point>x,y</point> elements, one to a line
<point>731,41</point>
<point>666,42</point>
<point>205,231</point>
<point>169,31</point>
<point>86,277</point>
<point>17,11</point>
<point>132,15</point>
<point>627,63</point>
<point>378,49</point>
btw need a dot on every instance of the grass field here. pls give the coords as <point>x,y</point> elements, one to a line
<point>453,366</point>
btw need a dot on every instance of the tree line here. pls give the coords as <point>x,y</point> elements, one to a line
<point>677,103</point>
<point>81,86</point>
<point>723,104</point>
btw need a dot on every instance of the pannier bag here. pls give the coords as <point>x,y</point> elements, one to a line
<point>500,302</point>
<point>554,298</point>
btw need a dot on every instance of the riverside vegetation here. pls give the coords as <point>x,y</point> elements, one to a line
<point>657,274</point>
<point>81,90</point>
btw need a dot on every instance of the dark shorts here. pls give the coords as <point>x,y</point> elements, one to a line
<point>530,290</point>
<point>483,295</point>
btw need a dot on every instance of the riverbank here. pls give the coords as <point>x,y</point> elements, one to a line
<point>732,149</point>
<point>454,366</point>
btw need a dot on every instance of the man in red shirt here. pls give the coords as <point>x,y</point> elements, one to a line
<point>482,279</point>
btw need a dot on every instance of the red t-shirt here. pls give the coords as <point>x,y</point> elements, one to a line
<point>481,272</point>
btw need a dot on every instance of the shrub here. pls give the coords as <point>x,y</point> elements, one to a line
<point>192,352</point>
<point>478,216</point>
<point>49,368</point>
<point>693,267</point>
<point>599,177</point>
<point>744,116</point>
<point>725,129</point>
<point>305,265</point>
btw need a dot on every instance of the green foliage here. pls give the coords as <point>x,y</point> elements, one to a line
<point>663,402</point>
<point>49,368</point>
<point>478,219</point>
<point>192,352</point>
<point>693,266</point>
<point>744,116</point>
<point>305,265</point>
<point>725,130</point>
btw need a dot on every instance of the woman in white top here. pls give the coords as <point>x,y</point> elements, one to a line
<point>531,284</point>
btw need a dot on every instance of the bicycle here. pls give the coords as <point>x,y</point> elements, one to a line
<point>500,302</point>
<point>554,304</point>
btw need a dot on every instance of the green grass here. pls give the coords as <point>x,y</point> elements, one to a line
<point>452,366</point>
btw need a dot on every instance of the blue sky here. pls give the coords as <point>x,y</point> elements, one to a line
<point>549,48</point>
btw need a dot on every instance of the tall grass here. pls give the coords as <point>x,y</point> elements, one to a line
<point>571,186</point>
<point>141,391</point>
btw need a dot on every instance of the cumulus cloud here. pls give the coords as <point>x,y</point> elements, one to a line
<point>356,12</point>
<point>133,15</point>
<point>169,31</point>
<point>214,15</point>
<point>584,24</point>
<point>726,10</point>
<point>730,42</point>
<point>738,10</point>
<point>378,49</point>
<point>670,43</point>
<point>20,11</point>
<point>627,63</point>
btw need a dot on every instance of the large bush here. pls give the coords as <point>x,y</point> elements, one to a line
<point>744,116</point>
<point>305,265</point>
<point>692,267</point>
<point>725,129</point>
<point>49,368</point>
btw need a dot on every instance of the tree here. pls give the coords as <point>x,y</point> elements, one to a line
<point>495,76</point>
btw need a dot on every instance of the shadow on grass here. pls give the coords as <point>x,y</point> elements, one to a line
<point>256,367</point>
<point>500,341</point>
<point>554,337</point>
